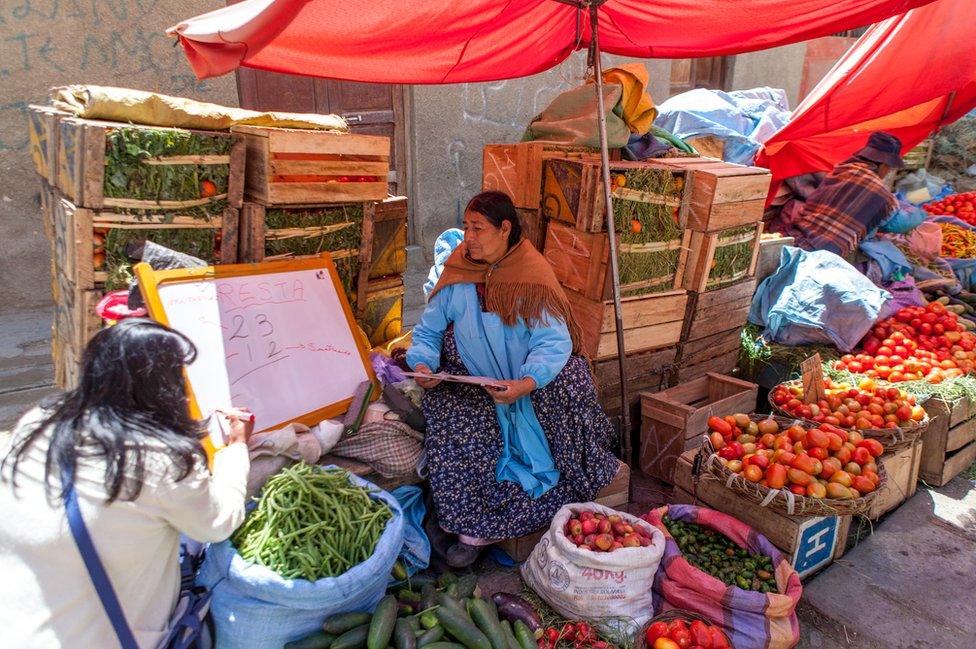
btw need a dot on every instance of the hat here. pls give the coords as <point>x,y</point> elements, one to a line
<point>883,148</point>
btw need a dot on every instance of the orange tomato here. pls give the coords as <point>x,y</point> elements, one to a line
<point>776,476</point>
<point>207,189</point>
<point>816,490</point>
<point>753,473</point>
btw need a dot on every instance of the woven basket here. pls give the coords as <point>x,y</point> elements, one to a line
<point>670,616</point>
<point>783,501</point>
<point>892,439</point>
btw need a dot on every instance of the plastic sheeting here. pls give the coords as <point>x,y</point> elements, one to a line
<point>456,41</point>
<point>816,298</point>
<point>742,119</point>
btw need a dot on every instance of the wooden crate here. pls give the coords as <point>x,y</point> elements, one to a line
<point>645,372</point>
<point>770,249</point>
<point>949,442</point>
<point>724,363</point>
<point>84,147</point>
<point>650,322</point>
<point>74,240</point>
<point>919,157</point>
<point>308,167</point>
<point>724,344</point>
<point>581,262</point>
<point>615,495</point>
<point>384,250</point>
<point>673,420</point>
<point>380,310</point>
<point>572,192</point>
<point>902,469</point>
<point>706,249</point>
<point>47,198</point>
<point>723,195</point>
<point>534,227</point>
<point>42,138</point>
<point>720,310</point>
<point>516,169</point>
<point>73,324</point>
<point>785,532</point>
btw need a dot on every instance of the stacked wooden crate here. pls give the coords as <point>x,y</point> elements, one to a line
<point>309,192</point>
<point>107,187</point>
<point>949,442</point>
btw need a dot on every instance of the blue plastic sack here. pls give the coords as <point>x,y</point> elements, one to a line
<point>415,554</point>
<point>255,608</point>
<point>814,298</point>
<point>443,247</point>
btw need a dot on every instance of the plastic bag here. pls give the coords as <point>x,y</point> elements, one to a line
<point>751,620</point>
<point>255,608</point>
<point>581,584</point>
<point>904,219</point>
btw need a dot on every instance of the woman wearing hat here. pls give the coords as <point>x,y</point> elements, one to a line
<point>851,201</point>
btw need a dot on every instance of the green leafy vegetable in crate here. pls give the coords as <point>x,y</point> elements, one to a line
<point>200,242</point>
<point>733,255</point>
<point>136,167</point>
<point>311,523</point>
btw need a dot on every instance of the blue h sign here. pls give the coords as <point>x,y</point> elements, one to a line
<point>816,544</point>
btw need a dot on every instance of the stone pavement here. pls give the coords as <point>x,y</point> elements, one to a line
<point>26,370</point>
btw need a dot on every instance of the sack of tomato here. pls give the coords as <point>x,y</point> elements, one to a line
<point>719,568</point>
<point>677,629</point>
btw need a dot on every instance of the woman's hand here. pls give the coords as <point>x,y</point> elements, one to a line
<point>426,384</point>
<point>240,424</point>
<point>512,390</point>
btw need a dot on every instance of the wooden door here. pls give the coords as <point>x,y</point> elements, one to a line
<point>709,72</point>
<point>368,108</point>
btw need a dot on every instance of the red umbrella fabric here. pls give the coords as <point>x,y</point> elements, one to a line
<point>907,76</point>
<point>456,41</point>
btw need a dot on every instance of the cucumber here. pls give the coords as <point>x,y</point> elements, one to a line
<point>510,636</point>
<point>524,635</point>
<point>339,624</point>
<point>445,645</point>
<point>430,636</point>
<point>446,601</point>
<point>408,596</point>
<point>318,640</point>
<point>485,619</point>
<point>452,590</point>
<point>399,572</point>
<point>446,579</point>
<point>458,624</point>
<point>466,585</point>
<point>352,639</point>
<point>414,622</point>
<point>384,619</point>
<point>403,637</point>
<point>428,596</point>
<point>428,620</point>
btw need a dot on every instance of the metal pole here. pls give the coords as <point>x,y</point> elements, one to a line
<point>624,431</point>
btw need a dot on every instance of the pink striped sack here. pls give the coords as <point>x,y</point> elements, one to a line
<point>752,620</point>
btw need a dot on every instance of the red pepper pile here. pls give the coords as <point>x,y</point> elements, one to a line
<point>578,635</point>
<point>678,634</point>
<point>957,205</point>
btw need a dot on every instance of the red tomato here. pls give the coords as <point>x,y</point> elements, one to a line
<point>655,631</point>
<point>701,633</point>
<point>682,637</point>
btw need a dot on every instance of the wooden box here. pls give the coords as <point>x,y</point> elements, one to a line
<point>572,192</point>
<point>714,323</point>
<point>534,227</point>
<point>78,232</point>
<point>73,324</point>
<point>615,495</point>
<point>581,262</point>
<point>650,322</point>
<point>724,363</point>
<point>674,420</point>
<point>42,138</point>
<point>716,259</point>
<point>785,532</point>
<point>645,372</point>
<point>770,250</point>
<point>308,167</point>
<point>149,156</point>
<point>384,250</point>
<point>516,169</point>
<point>919,157</point>
<point>949,442</point>
<point>902,469</point>
<point>724,195</point>
<point>379,310</point>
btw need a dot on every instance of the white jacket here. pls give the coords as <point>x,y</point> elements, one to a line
<point>48,598</point>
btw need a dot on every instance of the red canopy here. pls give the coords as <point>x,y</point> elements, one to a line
<point>452,41</point>
<point>906,76</point>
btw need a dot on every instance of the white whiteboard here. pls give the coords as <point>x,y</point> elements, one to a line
<point>279,343</point>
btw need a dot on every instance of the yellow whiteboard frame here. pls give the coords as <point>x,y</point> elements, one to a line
<point>150,280</point>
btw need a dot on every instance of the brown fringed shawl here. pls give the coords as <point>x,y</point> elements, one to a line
<point>520,284</point>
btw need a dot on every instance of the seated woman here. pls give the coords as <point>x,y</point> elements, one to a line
<point>503,461</point>
<point>126,443</point>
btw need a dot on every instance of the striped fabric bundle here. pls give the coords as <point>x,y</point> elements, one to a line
<point>752,620</point>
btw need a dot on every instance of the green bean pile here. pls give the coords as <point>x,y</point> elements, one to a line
<point>311,523</point>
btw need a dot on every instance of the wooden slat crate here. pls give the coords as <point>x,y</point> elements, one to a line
<point>615,495</point>
<point>79,231</point>
<point>87,176</point>
<point>724,345</point>
<point>724,363</point>
<point>785,532</point>
<point>534,227</point>
<point>48,197</point>
<point>42,132</point>
<point>516,169</point>
<point>572,192</point>
<point>714,323</point>
<point>650,322</point>
<point>716,259</point>
<point>723,195</point>
<point>385,238</point>
<point>919,157</point>
<point>949,442</point>
<point>308,167</point>
<point>73,325</point>
<point>770,249</point>
<point>645,372</point>
<point>380,312</point>
<point>902,469</point>
<point>673,420</point>
<point>581,262</point>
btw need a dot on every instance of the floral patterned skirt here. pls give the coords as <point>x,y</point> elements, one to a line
<point>464,443</point>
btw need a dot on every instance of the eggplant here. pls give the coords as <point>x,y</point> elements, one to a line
<point>512,608</point>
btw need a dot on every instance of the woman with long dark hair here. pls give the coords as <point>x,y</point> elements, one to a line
<point>504,459</point>
<point>126,441</point>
